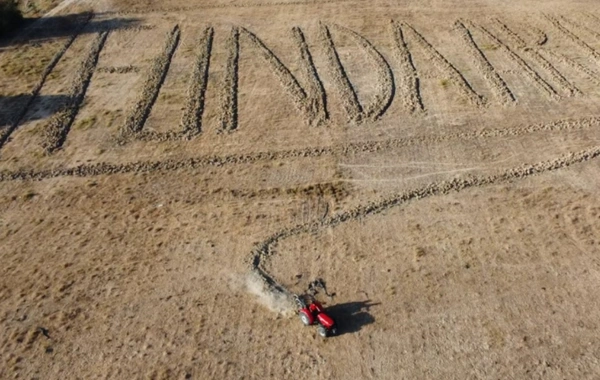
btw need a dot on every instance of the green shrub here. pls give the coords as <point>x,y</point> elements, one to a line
<point>10,16</point>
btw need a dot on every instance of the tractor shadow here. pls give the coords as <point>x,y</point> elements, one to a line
<point>12,106</point>
<point>37,30</point>
<point>351,317</point>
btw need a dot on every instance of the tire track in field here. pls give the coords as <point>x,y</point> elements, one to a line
<point>575,224</point>
<point>191,121</point>
<point>312,102</point>
<point>118,69</point>
<point>318,97</point>
<point>444,66</point>
<point>560,82</point>
<point>496,83</point>
<point>594,77</point>
<point>229,92</point>
<point>5,134</point>
<point>385,78</point>
<point>267,248</point>
<point>342,150</point>
<point>348,97</point>
<point>540,37</point>
<point>308,104</point>
<point>55,133</point>
<point>409,82</point>
<point>156,77</point>
<point>580,26</point>
<point>591,17</point>
<point>530,73</point>
<point>573,37</point>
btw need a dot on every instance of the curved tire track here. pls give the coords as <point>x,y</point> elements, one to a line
<point>385,77</point>
<point>266,249</point>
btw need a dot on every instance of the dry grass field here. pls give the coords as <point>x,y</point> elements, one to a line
<point>171,172</point>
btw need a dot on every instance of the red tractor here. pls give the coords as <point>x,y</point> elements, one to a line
<point>311,312</point>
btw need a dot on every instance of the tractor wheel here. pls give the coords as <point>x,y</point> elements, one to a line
<point>322,331</point>
<point>305,319</point>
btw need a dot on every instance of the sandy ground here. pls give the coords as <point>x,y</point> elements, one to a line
<point>435,162</point>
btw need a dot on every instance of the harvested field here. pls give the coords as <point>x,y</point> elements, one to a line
<point>172,173</point>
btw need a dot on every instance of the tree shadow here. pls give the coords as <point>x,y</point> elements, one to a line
<point>42,29</point>
<point>45,106</point>
<point>350,317</point>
